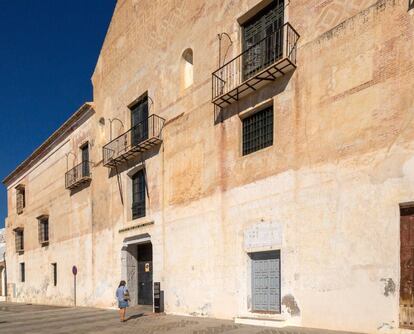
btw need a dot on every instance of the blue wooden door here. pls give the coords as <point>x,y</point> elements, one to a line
<point>266,281</point>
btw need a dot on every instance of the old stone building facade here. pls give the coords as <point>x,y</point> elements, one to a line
<point>256,158</point>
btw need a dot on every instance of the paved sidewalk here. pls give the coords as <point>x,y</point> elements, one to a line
<point>24,318</point>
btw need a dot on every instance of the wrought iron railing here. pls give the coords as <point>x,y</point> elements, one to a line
<point>281,44</point>
<point>77,174</point>
<point>139,138</point>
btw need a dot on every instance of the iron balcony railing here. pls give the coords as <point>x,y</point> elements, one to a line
<point>267,59</point>
<point>139,138</point>
<point>79,174</point>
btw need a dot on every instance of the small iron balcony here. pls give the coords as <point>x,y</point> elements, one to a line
<point>139,138</point>
<point>265,61</point>
<point>78,175</point>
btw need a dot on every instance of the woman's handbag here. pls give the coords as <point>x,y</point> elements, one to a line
<point>127,298</point>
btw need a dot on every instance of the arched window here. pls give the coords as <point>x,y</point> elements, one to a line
<point>187,68</point>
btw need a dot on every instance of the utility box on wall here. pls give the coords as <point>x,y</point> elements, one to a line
<point>158,298</point>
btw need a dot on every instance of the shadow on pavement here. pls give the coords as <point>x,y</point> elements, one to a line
<point>135,316</point>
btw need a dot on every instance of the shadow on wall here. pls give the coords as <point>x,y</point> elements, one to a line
<point>251,100</point>
<point>80,188</point>
<point>138,159</point>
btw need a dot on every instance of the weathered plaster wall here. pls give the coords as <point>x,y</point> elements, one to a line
<point>326,194</point>
<point>70,226</point>
<point>330,185</point>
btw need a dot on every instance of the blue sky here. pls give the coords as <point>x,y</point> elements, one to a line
<point>48,51</point>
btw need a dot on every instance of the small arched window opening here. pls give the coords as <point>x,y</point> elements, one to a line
<point>187,68</point>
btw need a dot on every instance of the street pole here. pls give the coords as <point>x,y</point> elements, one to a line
<point>74,283</point>
<point>74,272</point>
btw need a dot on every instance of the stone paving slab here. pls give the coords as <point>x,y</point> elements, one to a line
<point>26,318</point>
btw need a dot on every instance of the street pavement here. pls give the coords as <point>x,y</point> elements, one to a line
<point>27,318</point>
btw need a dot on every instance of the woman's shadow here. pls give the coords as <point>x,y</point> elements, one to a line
<point>135,316</point>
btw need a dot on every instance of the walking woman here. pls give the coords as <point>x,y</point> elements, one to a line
<point>122,295</point>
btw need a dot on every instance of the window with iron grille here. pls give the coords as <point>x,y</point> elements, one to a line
<point>19,235</point>
<point>43,229</point>
<point>20,199</point>
<point>138,194</point>
<point>258,131</point>
<point>54,272</point>
<point>22,272</point>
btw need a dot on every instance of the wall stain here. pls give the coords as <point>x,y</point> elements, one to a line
<point>292,307</point>
<point>385,327</point>
<point>389,286</point>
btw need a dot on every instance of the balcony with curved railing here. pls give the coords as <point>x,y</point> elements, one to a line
<point>140,138</point>
<point>265,61</point>
<point>78,175</point>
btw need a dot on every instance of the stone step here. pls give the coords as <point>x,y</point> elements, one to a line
<point>277,321</point>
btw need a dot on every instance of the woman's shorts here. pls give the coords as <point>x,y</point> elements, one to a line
<point>122,304</point>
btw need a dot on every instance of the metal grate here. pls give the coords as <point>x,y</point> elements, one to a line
<point>44,230</point>
<point>19,235</point>
<point>258,131</point>
<point>138,195</point>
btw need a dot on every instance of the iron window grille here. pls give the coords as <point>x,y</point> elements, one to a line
<point>22,272</point>
<point>258,131</point>
<point>138,195</point>
<point>43,230</point>
<point>54,269</point>
<point>20,199</point>
<point>19,238</point>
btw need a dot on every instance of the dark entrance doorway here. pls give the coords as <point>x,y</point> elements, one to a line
<point>407,268</point>
<point>145,274</point>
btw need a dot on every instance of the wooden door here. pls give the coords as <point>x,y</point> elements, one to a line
<point>85,160</point>
<point>263,39</point>
<point>139,122</point>
<point>145,274</point>
<point>266,282</point>
<point>407,269</point>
